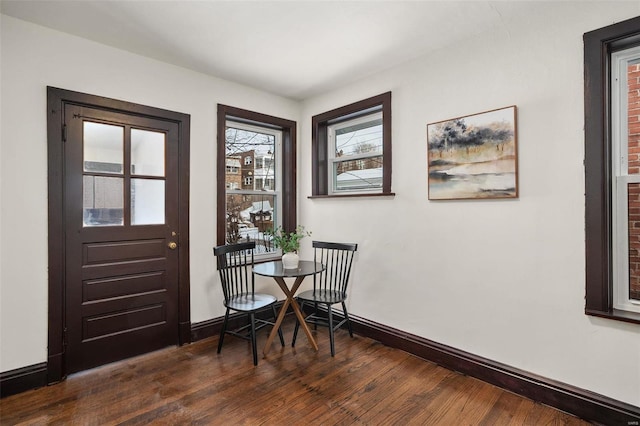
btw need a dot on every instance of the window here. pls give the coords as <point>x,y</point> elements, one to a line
<point>233,165</point>
<point>260,194</point>
<point>351,149</point>
<point>612,171</point>
<point>355,154</point>
<point>625,167</point>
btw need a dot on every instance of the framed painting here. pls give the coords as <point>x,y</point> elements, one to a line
<point>473,157</point>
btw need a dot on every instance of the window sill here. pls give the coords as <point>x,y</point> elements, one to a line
<point>615,314</point>
<point>386,194</point>
<point>267,258</point>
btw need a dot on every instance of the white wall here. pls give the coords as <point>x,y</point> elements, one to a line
<point>500,279</point>
<point>503,279</point>
<point>33,58</point>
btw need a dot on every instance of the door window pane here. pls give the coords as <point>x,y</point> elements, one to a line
<point>147,152</point>
<point>103,147</point>
<point>103,201</point>
<point>147,202</point>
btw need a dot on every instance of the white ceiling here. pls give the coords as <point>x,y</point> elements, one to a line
<point>296,49</point>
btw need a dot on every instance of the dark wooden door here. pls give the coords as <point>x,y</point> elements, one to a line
<point>121,196</point>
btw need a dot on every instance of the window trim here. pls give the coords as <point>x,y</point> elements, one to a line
<point>319,145</point>
<point>289,171</point>
<point>598,46</point>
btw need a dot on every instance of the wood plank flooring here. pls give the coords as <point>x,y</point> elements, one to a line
<point>366,383</point>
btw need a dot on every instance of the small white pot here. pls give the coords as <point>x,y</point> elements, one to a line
<point>290,260</point>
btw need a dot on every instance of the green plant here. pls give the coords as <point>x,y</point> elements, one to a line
<point>288,241</point>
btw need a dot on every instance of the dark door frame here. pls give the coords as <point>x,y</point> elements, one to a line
<point>56,100</point>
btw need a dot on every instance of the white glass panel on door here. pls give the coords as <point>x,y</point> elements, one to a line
<point>147,202</point>
<point>147,152</point>
<point>103,148</point>
<point>103,201</point>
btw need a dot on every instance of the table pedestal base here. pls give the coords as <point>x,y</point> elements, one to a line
<point>290,300</point>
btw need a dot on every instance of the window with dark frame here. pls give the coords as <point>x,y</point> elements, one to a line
<point>351,149</point>
<point>610,174</point>
<point>244,211</point>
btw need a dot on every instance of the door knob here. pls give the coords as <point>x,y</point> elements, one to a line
<point>172,245</point>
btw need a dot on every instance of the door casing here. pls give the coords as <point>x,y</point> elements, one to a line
<point>56,135</point>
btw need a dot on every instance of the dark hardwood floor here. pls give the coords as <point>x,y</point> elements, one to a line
<point>366,383</point>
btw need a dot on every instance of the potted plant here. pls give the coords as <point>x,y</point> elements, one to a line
<point>289,243</point>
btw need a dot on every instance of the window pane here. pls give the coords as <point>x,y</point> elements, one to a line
<point>365,173</point>
<point>250,160</point>
<point>633,116</point>
<point>360,137</point>
<point>252,179</point>
<point>147,152</point>
<point>103,147</point>
<point>248,216</point>
<point>633,122</point>
<point>634,239</point>
<point>103,201</point>
<point>147,201</point>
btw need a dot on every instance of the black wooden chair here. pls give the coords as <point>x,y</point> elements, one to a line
<point>235,263</point>
<point>329,287</point>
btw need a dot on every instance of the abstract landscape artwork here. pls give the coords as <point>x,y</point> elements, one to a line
<point>473,157</point>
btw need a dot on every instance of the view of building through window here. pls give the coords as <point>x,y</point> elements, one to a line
<point>633,167</point>
<point>252,180</point>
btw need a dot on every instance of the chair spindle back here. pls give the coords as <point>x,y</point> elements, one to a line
<point>338,258</point>
<point>235,263</point>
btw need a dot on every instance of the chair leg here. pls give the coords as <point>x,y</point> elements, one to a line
<point>223,330</point>
<point>254,347</point>
<point>346,316</point>
<point>295,330</point>
<point>315,312</point>
<point>333,350</point>
<point>275,318</point>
